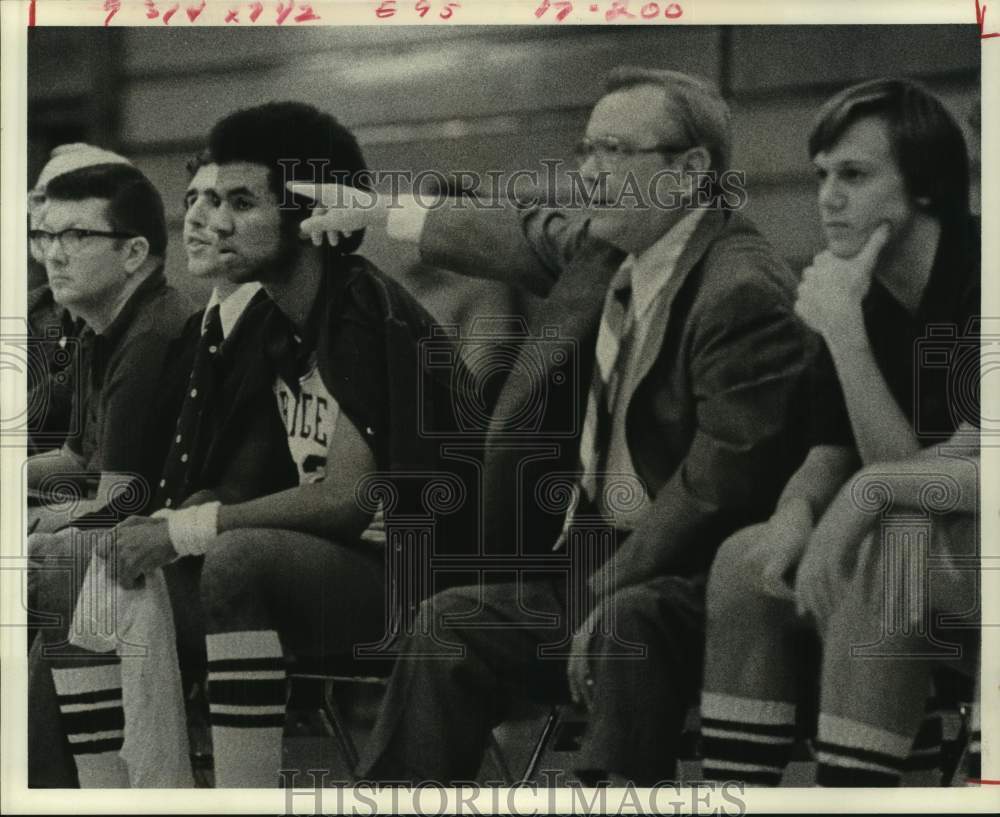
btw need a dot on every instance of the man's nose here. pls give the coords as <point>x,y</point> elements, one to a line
<point>195,215</point>
<point>831,194</point>
<point>590,168</point>
<point>55,252</point>
<point>220,220</point>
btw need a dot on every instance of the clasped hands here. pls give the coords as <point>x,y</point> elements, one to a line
<point>806,566</point>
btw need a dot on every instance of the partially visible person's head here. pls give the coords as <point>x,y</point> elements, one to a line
<point>201,242</point>
<point>887,150</point>
<point>65,159</point>
<point>649,131</point>
<point>258,150</point>
<point>102,225</point>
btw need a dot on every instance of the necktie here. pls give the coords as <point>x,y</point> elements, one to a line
<point>613,346</point>
<point>175,484</point>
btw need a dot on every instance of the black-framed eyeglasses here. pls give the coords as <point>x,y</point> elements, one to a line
<point>36,199</point>
<point>70,239</point>
<point>610,149</point>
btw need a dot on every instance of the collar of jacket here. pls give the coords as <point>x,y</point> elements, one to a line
<point>707,231</point>
<point>40,296</point>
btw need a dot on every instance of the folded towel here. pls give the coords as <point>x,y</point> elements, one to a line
<point>139,625</point>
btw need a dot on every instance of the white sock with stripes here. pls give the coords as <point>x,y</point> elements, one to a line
<point>851,753</point>
<point>745,739</point>
<point>923,764</point>
<point>90,703</point>
<point>974,761</point>
<point>246,692</point>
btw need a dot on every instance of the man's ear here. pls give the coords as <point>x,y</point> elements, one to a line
<point>137,251</point>
<point>697,159</point>
<point>696,164</point>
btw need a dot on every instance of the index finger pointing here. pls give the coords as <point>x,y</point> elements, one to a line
<point>306,189</point>
<point>329,195</point>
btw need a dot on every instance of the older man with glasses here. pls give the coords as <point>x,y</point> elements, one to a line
<point>52,329</point>
<point>101,234</point>
<point>687,434</point>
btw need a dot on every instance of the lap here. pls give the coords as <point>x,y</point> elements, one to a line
<point>322,596</point>
<point>520,623</point>
<point>672,607</point>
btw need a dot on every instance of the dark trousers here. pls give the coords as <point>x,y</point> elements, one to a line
<point>475,648</point>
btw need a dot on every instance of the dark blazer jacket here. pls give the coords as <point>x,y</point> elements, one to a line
<point>714,421</point>
<point>240,448</point>
<point>369,336</point>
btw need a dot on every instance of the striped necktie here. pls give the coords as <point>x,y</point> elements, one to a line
<point>179,467</point>
<point>613,347</point>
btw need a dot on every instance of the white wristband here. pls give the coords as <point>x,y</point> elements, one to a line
<point>406,221</point>
<point>192,530</point>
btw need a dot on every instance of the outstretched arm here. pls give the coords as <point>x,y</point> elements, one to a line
<point>526,247</point>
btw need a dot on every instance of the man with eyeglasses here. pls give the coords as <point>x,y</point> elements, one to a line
<point>229,443</point>
<point>100,231</point>
<point>103,238</point>
<point>51,328</point>
<point>686,414</point>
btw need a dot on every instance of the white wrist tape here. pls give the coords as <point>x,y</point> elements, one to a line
<point>192,529</point>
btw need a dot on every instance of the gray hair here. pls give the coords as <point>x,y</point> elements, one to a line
<point>694,103</point>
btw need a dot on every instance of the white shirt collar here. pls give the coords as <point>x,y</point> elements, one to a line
<point>231,307</point>
<point>651,269</point>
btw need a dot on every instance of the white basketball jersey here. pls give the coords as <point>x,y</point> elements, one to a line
<point>310,418</point>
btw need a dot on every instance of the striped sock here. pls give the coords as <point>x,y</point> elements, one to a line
<point>246,695</point>
<point>851,753</point>
<point>922,766</point>
<point>745,739</point>
<point>974,755</point>
<point>90,705</point>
